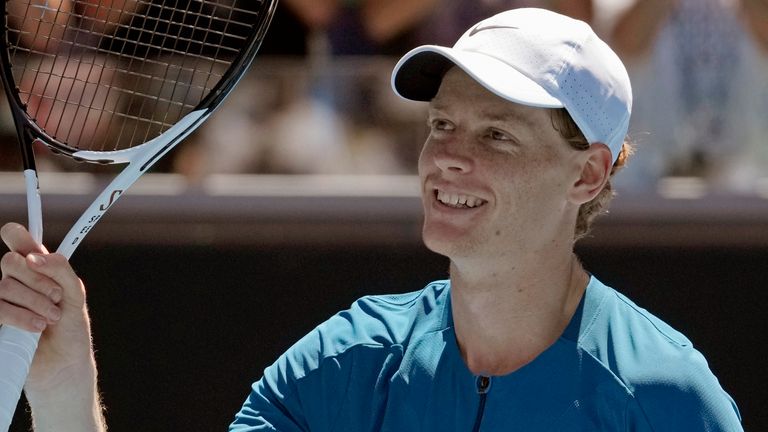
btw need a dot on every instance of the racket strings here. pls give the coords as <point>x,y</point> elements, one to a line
<point>168,70</point>
<point>79,103</point>
<point>105,75</point>
<point>112,88</point>
<point>133,102</point>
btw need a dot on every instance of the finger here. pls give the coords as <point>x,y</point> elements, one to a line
<point>18,239</point>
<point>56,267</point>
<point>15,266</point>
<point>14,296</point>
<point>21,318</point>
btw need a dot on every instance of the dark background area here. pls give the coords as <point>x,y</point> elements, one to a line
<point>182,331</point>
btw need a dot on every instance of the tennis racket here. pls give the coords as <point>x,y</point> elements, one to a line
<point>113,82</point>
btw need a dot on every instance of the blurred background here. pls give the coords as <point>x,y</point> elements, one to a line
<point>300,196</point>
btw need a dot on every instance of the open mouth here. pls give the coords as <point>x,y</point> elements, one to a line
<point>459,201</point>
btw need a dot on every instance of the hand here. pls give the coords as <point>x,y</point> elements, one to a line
<point>40,292</point>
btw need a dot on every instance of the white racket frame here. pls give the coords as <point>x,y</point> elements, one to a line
<point>17,347</point>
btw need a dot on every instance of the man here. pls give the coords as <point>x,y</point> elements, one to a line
<point>527,116</point>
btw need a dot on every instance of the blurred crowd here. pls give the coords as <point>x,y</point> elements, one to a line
<point>318,99</point>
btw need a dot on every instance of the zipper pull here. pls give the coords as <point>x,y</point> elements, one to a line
<point>483,384</point>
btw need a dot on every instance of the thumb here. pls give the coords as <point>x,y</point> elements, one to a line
<point>56,267</point>
<point>19,240</point>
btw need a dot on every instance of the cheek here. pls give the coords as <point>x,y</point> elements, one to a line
<point>532,183</point>
<point>425,157</point>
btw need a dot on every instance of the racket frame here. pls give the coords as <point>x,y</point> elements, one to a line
<point>18,346</point>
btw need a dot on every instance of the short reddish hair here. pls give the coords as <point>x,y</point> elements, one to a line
<point>563,123</point>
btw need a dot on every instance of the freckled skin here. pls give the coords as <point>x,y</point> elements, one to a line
<point>508,154</point>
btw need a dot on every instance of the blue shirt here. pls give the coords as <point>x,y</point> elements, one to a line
<point>391,363</point>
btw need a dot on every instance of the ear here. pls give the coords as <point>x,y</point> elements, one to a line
<point>596,163</point>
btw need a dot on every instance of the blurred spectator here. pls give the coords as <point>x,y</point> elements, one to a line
<point>700,81</point>
<point>57,91</point>
<point>392,27</point>
<point>288,118</point>
<point>295,23</point>
<point>335,113</point>
<point>450,18</point>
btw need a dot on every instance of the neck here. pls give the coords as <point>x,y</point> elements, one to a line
<point>506,317</point>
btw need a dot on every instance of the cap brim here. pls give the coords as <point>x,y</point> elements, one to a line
<point>417,76</point>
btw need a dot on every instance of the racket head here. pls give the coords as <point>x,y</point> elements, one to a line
<point>99,78</point>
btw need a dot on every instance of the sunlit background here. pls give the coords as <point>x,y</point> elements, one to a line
<point>300,195</point>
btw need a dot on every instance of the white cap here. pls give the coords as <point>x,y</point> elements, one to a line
<point>533,57</point>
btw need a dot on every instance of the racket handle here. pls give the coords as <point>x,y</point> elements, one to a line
<point>34,206</point>
<point>17,347</point>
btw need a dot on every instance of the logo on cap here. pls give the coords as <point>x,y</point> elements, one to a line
<point>478,29</point>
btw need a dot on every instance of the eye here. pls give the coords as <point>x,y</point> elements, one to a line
<point>440,125</point>
<point>498,135</point>
<point>501,141</point>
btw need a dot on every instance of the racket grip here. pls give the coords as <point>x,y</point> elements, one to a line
<point>17,347</point>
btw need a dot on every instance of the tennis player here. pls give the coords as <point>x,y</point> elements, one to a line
<point>528,114</point>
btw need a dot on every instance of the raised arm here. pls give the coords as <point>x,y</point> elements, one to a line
<point>579,9</point>
<point>385,19</point>
<point>40,291</point>
<point>637,28</point>
<point>315,14</point>
<point>756,19</point>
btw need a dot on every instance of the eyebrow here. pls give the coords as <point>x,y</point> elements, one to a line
<point>508,115</point>
<point>433,107</point>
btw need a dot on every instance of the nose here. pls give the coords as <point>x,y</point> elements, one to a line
<point>451,157</point>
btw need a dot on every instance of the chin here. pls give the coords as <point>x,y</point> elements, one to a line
<point>435,246</point>
<point>448,244</point>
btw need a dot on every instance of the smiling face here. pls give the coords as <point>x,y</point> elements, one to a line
<point>496,176</point>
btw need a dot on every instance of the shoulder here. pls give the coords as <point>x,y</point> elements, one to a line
<point>670,381</point>
<point>373,324</point>
<point>341,369</point>
<point>388,319</point>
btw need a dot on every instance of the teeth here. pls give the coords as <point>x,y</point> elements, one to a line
<point>458,200</point>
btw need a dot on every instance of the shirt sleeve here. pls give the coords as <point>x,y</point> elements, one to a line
<point>301,391</point>
<point>269,408</point>
<point>686,397</point>
<point>334,377</point>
